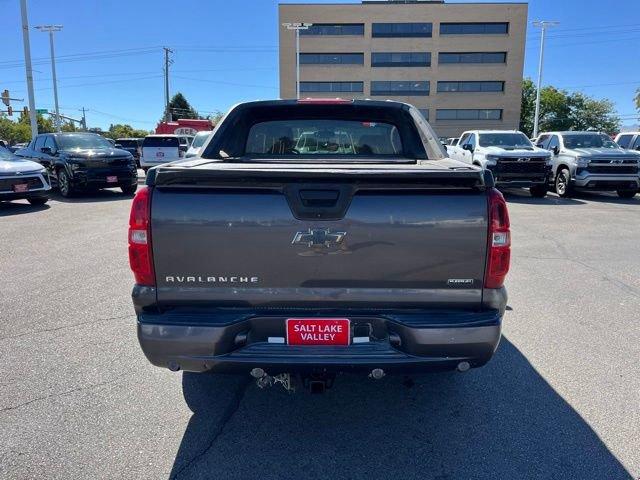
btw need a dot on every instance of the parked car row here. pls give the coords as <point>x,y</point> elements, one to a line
<point>566,161</point>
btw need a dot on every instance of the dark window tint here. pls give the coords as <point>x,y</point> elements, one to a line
<point>542,141</point>
<point>311,87</point>
<point>50,142</point>
<point>332,58</point>
<point>553,142</point>
<point>128,143</point>
<point>505,140</point>
<point>402,29</point>
<point>625,140</point>
<point>469,114</point>
<point>591,140</point>
<point>161,142</point>
<point>399,88</point>
<point>401,59</point>
<point>636,144</point>
<point>472,57</point>
<point>470,86</point>
<point>39,142</point>
<point>474,28</point>
<point>472,141</point>
<point>334,29</point>
<point>322,137</point>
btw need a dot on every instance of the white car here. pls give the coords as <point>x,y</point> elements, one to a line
<point>160,148</point>
<point>509,155</point>
<point>198,143</point>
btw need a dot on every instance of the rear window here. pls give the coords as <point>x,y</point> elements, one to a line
<point>166,142</point>
<point>322,137</point>
<point>128,143</point>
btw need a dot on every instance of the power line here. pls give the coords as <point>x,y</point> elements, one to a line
<point>221,82</point>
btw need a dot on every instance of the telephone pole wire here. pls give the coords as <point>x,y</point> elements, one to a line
<point>27,64</point>
<point>167,62</point>
<point>51,29</point>
<point>543,25</point>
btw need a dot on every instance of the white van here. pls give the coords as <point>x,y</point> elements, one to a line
<point>159,149</point>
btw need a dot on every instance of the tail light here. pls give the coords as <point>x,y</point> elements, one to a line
<point>499,242</point>
<point>140,256</point>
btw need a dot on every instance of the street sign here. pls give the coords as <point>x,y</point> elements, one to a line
<point>42,111</point>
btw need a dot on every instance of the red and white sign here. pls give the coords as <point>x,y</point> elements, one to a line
<point>21,187</point>
<point>112,179</point>
<point>318,331</point>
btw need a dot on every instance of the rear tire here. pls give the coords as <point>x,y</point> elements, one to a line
<point>38,201</point>
<point>627,193</point>
<point>539,191</point>
<point>129,189</point>
<point>563,183</point>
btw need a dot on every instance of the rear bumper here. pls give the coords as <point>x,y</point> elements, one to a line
<point>235,341</point>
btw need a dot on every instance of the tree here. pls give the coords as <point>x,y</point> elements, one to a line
<point>560,110</point>
<point>528,106</point>
<point>637,99</point>
<point>124,131</point>
<point>587,113</point>
<point>45,125</point>
<point>14,132</point>
<point>180,108</point>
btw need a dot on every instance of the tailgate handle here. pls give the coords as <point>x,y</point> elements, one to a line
<point>319,198</point>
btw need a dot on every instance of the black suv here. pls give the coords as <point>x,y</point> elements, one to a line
<point>131,145</point>
<point>83,161</point>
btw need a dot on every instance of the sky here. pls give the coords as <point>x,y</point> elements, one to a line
<point>110,57</point>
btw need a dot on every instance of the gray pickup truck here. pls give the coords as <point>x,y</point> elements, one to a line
<point>319,236</point>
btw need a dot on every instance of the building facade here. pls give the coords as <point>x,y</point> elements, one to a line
<point>460,64</point>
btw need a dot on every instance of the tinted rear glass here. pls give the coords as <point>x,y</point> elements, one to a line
<point>322,137</point>
<point>166,142</point>
<point>128,143</point>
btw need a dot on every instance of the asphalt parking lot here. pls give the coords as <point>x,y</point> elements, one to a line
<point>561,399</point>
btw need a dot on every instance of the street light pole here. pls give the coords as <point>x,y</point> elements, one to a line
<point>543,25</point>
<point>51,29</point>
<point>27,64</point>
<point>297,27</point>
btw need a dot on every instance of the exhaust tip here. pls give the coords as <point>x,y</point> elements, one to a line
<point>463,366</point>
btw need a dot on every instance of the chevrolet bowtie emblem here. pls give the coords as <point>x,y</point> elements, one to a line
<point>318,237</point>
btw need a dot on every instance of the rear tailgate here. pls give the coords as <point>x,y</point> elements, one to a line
<point>280,235</point>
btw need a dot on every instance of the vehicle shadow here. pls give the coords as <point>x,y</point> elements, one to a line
<point>14,208</point>
<point>501,421</point>
<point>91,196</point>
<point>522,196</point>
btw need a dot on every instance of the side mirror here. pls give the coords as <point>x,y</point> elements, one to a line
<point>46,150</point>
<point>468,147</point>
<point>556,150</point>
<point>445,148</point>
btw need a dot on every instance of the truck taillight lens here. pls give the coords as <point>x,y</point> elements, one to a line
<point>499,243</point>
<point>140,258</point>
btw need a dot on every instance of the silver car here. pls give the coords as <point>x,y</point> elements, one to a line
<point>590,160</point>
<point>22,179</point>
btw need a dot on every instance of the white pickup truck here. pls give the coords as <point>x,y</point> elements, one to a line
<point>509,155</point>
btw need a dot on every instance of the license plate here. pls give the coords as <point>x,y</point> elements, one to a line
<point>318,331</point>
<point>112,179</point>
<point>21,187</point>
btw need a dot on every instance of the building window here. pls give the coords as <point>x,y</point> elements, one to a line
<point>334,29</point>
<point>399,88</point>
<point>424,112</point>
<point>401,59</point>
<point>493,28</point>
<point>339,87</point>
<point>472,57</point>
<point>331,58</point>
<point>462,87</point>
<point>390,30</point>
<point>469,114</point>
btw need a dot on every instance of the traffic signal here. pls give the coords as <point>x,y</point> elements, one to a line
<point>10,110</point>
<point>25,111</point>
<point>5,97</point>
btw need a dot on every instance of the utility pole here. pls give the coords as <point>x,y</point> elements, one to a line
<point>543,26</point>
<point>297,26</point>
<point>27,65</point>
<point>167,62</point>
<point>51,29</point>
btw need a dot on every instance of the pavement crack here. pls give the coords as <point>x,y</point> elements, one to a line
<point>62,394</point>
<point>79,324</point>
<point>229,412</point>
